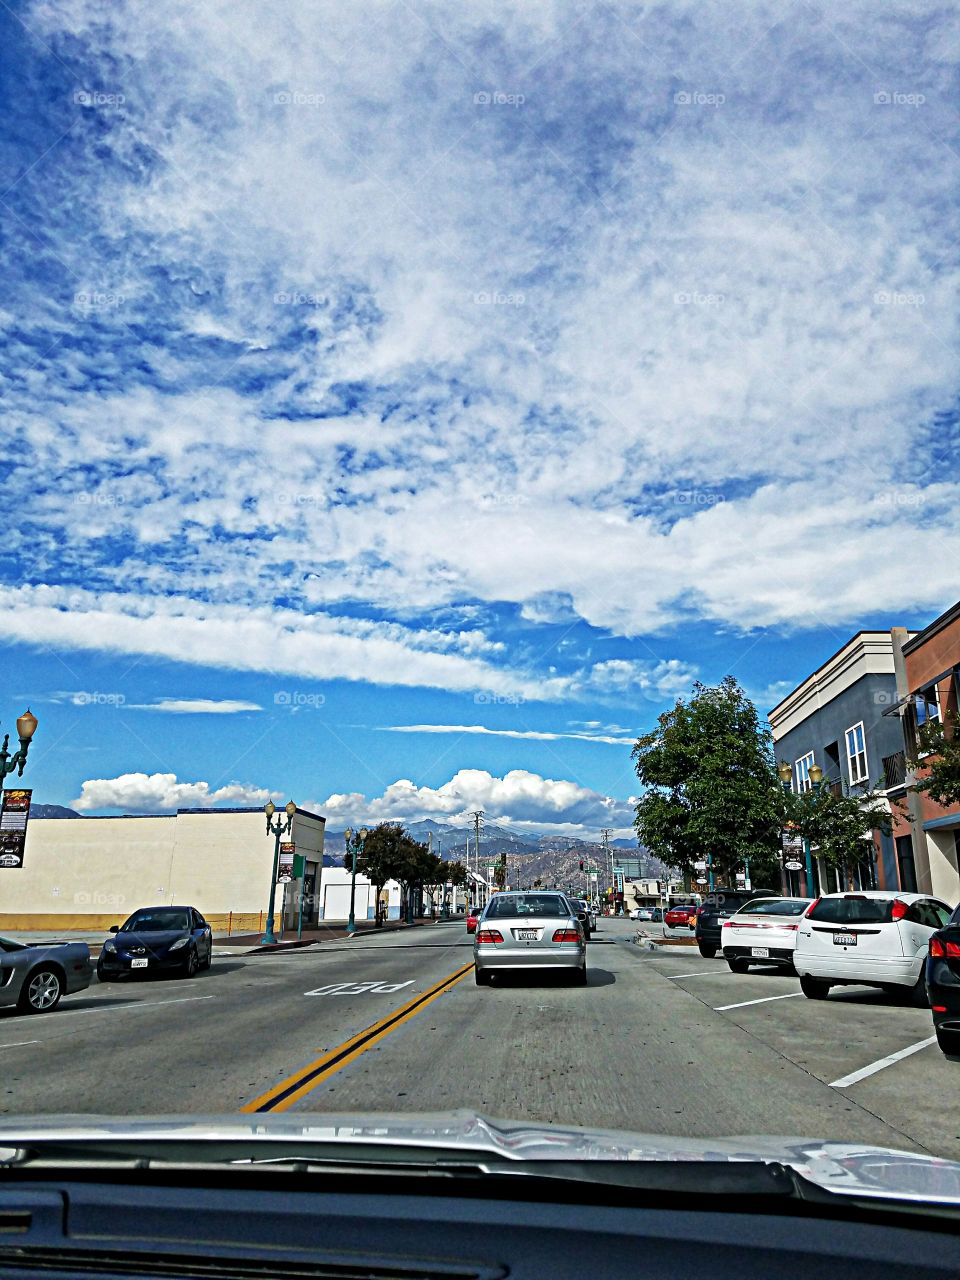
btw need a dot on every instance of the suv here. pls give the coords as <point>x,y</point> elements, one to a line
<point>720,905</point>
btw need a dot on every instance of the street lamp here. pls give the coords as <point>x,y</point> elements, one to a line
<point>26,728</point>
<point>815,774</point>
<point>278,828</point>
<point>354,842</point>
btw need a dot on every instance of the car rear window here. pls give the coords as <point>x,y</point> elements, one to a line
<point>526,905</point>
<point>853,910</point>
<point>775,907</point>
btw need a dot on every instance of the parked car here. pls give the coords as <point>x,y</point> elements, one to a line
<point>35,976</point>
<point>877,938</point>
<point>584,915</point>
<point>680,914</point>
<point>720,905</point>
<point>473,915</point>
<point>157,940</point>
<point>529,931</point>
<point>763,931</point>
<point>942,974</point>
<point>641,913</point>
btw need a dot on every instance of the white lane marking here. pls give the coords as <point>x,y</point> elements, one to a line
<point>856,1076</point>
<point>135,1004</point>
<point>359,988</point>
<point>763,1000</point>
<point>16,1044</point>
<point>701,973</point>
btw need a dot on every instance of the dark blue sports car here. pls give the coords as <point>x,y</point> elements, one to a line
<point>157,940</point>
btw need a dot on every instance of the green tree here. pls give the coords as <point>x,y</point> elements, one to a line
<point>838,826</point>
<point>939,744</point>
<point>710,786</point>
<point>382,857</point>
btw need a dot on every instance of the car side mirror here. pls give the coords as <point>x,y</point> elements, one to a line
<point>114,928</point>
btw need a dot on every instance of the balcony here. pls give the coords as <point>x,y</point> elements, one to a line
<point>895,770</point>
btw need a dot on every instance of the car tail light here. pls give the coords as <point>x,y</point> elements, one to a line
<point>938,1008</point>
<point>790,928</point>
<point>566,935</point>
<point>940,948</point>
<point>489,935</point>
<point>899,909</point>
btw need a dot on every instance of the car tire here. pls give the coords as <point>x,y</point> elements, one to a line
<point>205,964</point>
<point>706,950</point>
<point>917,994</point>
<point>482,977</point>
<point>41,991</point>
<point>192,965</point>
<point>738,966</point>
<point>814,988</point>
<point>102,975</point>
<point>579,978</point>
<point>948,1041</point>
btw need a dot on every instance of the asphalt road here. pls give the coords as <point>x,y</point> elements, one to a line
<point>657,1042</point>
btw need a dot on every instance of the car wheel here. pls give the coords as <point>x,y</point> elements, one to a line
<point>814,988</point>
<point>192,965</point>
<point>209,960</point>
<point>706,950</point>
<point>917,994</point>
<point>738,966</point>
<point>41,992</point>
<point>102,975</point>
<point>482,977</point>
<point>579,978</point>
<point>948,1041</point>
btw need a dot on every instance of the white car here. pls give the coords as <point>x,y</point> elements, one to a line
<point>641,913</point>
<point>763,932</point>
<point>875,938</point>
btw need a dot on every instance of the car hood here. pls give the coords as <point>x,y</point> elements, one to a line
<point>846,1168</point>
<point>159,941</point>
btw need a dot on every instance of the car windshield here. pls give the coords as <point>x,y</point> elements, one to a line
<point>482,460</point>
<point>853,910</point>
<point>156,921</point>
<point>775,907</point>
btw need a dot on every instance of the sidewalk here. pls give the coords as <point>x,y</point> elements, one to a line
<point>335,931</point>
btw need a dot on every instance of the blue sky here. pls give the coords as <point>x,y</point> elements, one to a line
<point>404,403</point>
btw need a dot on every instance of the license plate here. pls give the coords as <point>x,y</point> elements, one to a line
<point>138,964</point>
<point>844,939</point>
<point>762,953</point>
<point>527,935</point>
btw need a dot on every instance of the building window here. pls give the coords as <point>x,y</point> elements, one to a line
<point>927,702</point>
<point>857,753</point>
<point>801,771</point>
<point>905,864</point>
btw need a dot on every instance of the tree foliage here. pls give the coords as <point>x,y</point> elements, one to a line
<point>939,766</point>
<point>389,853</point>
<point>837,826</point>
<point>710,786</point>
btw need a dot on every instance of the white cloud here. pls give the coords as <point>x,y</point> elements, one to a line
<point>533,734</point>
<point>196,706</point>
<point>162,793</point>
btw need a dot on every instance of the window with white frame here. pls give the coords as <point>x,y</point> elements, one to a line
<point>801,770</point>
<point>857,753</point>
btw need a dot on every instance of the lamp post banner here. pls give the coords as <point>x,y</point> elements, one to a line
<point>285,863</point>
<point>13,827</point>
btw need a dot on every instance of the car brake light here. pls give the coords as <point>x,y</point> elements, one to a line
<point>939,1008</point>
<point>566,935</point>
<point>489,935</point>
<point>790,928</point>
<point>940,948</point>
<point>899,909</point>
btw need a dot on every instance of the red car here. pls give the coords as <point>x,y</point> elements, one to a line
<point>473,915</point>
<point>681,915</point>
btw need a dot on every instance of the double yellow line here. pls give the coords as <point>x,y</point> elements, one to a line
<point>295,1087</point>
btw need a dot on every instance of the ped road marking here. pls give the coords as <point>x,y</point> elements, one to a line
<point>296,1086</point>
<point>763,1000</point>
<point>856,1076</point>
<point>359,988</point>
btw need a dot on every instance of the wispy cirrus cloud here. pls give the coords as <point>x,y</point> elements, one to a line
<point>196,706</point>
<point>532,734</point>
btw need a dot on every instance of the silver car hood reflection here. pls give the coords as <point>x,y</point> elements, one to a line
<point>850,1168</point>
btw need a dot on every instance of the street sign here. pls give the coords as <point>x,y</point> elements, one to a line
<point>285,863</point>
<point>794,865</point>
<point>792,842</point>
<point>13,827</point>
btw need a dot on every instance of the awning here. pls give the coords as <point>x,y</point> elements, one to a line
<point>943,824</point>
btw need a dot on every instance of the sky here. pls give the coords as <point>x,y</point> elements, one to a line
<point>404,403</point>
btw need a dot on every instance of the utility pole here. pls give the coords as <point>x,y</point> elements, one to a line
<point>477,816</point>
<point>605,834</point>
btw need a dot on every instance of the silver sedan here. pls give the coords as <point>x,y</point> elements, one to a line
<point>526,931</point>
<point>35,976</point>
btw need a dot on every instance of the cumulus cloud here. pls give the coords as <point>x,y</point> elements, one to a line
<point>162,793</point>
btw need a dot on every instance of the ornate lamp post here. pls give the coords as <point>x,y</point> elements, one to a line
<point>816,778</point>
<point>26,728</point>
<point>279,828</point>
<point>354,842</point>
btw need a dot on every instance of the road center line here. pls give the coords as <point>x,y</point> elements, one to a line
<point>763,1000</point>
<point>296,1086</point>
<point>856,1076</point>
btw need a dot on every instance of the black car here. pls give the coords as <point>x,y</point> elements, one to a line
<point>942,976</point>
<point>157,940</point>
<point>719,905</point>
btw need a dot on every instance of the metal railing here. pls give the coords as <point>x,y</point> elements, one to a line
<point>895,770</point>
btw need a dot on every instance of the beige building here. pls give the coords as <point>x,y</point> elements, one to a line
<point>90,873</point>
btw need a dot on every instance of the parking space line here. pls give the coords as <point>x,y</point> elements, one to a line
<point>763,1000</point>
<point>856,1076</point>
<point>701,973</point>
<point>16,1044</point>
<point>134,1004</point>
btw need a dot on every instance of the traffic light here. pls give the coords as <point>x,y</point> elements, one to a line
<point>581,864</point>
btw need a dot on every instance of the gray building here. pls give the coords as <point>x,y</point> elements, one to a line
<point>835,719</point>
